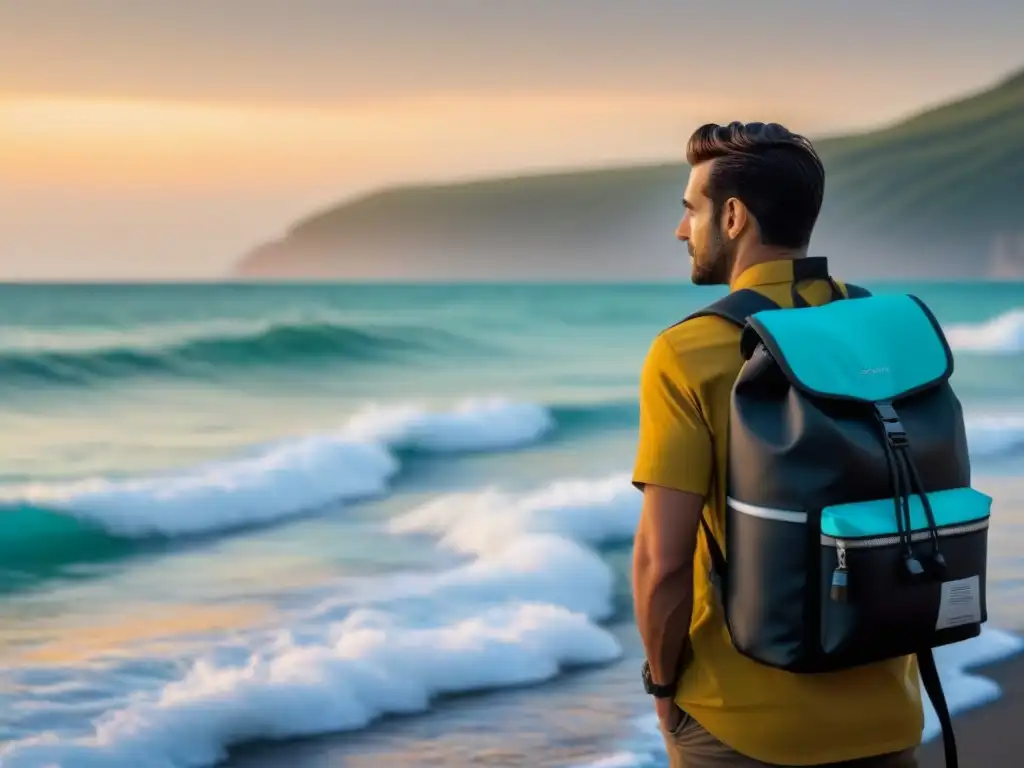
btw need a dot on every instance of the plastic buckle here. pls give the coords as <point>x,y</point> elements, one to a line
<point>890,420</point>
<point>886,412</point>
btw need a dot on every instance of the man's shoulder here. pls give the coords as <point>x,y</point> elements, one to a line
<point>701,336</point>
<point>700,348</point>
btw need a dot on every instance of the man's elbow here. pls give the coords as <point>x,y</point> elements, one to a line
<point>668,555</point>
<point>664,566</point>
<point>653,557</point>
<point>659,566</point>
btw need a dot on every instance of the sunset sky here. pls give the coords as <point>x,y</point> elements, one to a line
<point>146,139</point>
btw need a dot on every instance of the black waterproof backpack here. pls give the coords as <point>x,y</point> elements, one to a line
<point>853,534</point>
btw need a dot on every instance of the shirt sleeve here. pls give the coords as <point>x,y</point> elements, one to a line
<point>674,447</point>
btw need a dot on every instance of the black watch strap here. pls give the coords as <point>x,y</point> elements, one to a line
<point>652,688</point>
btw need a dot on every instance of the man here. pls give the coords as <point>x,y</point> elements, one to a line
<point>751,202</point>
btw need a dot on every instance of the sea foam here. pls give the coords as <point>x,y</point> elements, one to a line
<point>526,604</point>
<point>289,477</point>
<point>359,460</point>
<point>1003,334</point>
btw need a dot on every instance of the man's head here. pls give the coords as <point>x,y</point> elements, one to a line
<point>754,189</point>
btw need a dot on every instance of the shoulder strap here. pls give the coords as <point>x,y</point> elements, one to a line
<point>736,307</point>
<point>933,687</point>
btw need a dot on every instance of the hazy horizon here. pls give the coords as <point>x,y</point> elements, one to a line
<point>143,142</point>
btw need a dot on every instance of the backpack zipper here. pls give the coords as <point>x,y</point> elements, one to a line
<point>890,541</point>
<point>840,576</point>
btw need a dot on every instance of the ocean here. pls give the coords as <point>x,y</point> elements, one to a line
<point>312,525</point>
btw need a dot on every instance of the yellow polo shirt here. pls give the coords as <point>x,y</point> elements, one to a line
<point>770,715</point>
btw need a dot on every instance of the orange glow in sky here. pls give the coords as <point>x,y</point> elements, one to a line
<point>150,140</point>
<point>114,142</point>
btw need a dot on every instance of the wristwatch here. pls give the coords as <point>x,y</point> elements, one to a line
<point>655,690</point>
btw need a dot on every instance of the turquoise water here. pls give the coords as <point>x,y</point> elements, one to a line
<point>234,513</point>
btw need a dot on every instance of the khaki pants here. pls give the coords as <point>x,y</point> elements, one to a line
<point>690,746</point>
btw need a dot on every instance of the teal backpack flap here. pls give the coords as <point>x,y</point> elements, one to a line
<point>873,350</point>
<point>853,534</point>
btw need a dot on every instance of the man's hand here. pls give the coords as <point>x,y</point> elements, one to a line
<point>663,554</point>
<point>668,714</point>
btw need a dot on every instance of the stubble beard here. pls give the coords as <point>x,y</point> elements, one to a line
<point>712,268</point>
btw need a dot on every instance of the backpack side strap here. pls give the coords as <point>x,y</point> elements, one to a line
<point>933,687</point>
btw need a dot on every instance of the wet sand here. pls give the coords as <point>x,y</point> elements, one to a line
<point>991,736</point>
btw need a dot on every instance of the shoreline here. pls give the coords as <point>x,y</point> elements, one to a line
<point>592,715</point>
<point>988,735</point>
<point>575,719</point>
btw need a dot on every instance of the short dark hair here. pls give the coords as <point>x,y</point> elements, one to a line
<point>776,173</point>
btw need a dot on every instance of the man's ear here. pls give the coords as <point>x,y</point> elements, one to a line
<point>735,218</point>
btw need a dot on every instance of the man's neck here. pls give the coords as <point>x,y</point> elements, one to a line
<point>751,258</point>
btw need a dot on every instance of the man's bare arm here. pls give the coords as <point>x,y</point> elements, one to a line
<point>663,555</point>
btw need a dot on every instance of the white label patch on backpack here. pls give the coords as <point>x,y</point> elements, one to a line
<point>959,604</point>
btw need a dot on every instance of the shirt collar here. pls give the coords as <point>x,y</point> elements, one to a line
<point>780,271</point>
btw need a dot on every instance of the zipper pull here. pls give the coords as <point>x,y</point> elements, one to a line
<point>839,575</point>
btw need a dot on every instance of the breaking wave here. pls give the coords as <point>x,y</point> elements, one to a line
<point>207,349</point>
